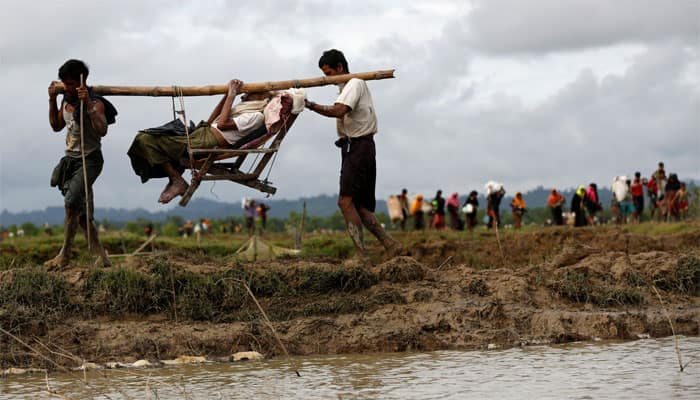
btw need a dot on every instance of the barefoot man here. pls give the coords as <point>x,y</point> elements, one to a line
<point>356,124</point>
<point>68,174</point>
<point>158,156</point>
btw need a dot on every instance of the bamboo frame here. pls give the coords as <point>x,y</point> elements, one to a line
<point>208,169</point>
<point>210,90</point>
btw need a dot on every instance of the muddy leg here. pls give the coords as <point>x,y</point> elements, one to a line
<point>369,220</point>
<point>354,224</point>
<point>70,227</point>
<point>95,244</point>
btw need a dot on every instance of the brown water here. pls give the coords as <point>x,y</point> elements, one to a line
<point>644,369</point>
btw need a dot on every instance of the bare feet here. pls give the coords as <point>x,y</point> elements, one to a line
<point>173,190</point>
<point>58,262</point>
<point>165,190</point>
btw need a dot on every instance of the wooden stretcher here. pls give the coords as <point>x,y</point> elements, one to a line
<point>224,164</point>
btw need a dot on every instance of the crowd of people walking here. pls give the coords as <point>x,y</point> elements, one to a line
<point>668,200</point>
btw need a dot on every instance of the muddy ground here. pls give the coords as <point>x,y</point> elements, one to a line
<point>454,292</point>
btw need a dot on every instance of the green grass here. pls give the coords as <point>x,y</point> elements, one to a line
<point>685,279</point>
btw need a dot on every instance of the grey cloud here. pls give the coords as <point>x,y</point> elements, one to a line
<point>506,26</point>
<point>432,133</point>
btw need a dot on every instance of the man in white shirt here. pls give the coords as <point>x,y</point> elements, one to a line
<point>158,156</point>
<point>356,125</point>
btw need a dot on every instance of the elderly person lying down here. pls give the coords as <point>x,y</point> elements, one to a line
<point>158,156</point>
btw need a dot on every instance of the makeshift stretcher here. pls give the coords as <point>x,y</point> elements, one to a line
<point>222,163</point>
<point>226,163</point>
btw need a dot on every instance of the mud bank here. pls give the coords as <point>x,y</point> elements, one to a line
<point>454,292</point>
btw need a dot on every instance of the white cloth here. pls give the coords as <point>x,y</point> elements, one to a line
<point>246,123</point>
<point>361,120</point>
<point>298,96</point>
<point>492,187</point>
<point>620,188</point>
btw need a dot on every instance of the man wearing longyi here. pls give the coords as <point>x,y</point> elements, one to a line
<point>68,175</point>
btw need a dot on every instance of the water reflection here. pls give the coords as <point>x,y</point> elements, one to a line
<point>645,369</point>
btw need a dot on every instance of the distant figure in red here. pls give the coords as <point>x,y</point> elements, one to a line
<point>592,203</point>
<point>637,190</point>
<point>672,186</point>
<point>453,210</point>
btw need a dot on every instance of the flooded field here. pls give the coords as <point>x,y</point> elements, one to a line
<point>643,369</point>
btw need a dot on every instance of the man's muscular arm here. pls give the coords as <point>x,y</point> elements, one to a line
<point>95,110</point>
<point>337,110</point>
<point>55,117</point>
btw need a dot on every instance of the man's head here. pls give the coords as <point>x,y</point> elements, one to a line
<point>333,62</point>
<point>661,165</point>
<point>70,72</point>
<point>637,175</point>
<point>438,194</point>
<point>404,191</point>
<point>258,96</point>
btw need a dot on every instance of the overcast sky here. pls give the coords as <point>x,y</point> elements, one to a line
<point>539,92</point>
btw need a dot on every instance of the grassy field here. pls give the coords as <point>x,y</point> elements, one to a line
<point>504,280</point>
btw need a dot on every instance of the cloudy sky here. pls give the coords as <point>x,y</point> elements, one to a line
<point>539,92</point>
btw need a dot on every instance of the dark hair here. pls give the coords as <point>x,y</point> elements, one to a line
<point>473,193</point>
<point>439,192</point>
<point>404,191</point>
<point>332,58</point>
<point>637,174</point>
<point>72,69</point>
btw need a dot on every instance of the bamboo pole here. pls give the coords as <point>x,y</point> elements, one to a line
<point>170,91</point>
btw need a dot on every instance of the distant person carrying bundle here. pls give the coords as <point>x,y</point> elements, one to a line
<point>356,126</point>
<point>494,194</point>
<point>470,207</point>
<point>158,156</point>
<point>83,155</point>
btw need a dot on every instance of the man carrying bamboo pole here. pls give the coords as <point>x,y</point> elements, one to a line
<point>356,126</point>
<point>71,173</point>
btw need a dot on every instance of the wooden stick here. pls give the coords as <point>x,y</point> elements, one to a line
<point>673,331</point>
<point>143,246</point>
<point>272,328</point>
<point>210,90</point>
<point>88,223</point>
